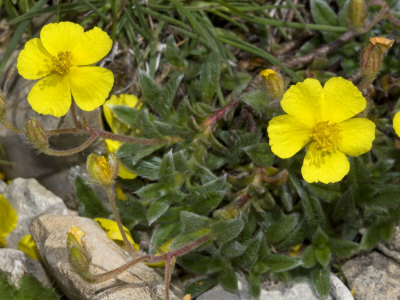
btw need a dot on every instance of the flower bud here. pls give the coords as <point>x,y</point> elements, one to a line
<point>78,255</point>
<point>357,14</point>
<point>273,83</point>
<point>372,56</point>
<point>36,134</point>
<point>102,170</point>
<point>3,107</point>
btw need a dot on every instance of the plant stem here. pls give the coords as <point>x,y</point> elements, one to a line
<point>72,151</point>
<point>111,197</point>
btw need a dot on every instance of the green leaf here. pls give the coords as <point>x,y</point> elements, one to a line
<point>308,257</point>
<point>152,191</point>
<point>323,255</point>
<point>225,231</point>
<point>228,279</point>
<point>254,286</point>
<point>260,154</point>
<point>158,208</point>
<point>172,54</point>
<point>341,247</point>
<point>326,192</point>
<point>192,221</point>
<point>206,201</point>
<point>257,99</point>
<point>386,231</point>
<point>280,229</point>
<point>127,115</point>
<point>199,286</point>
<point>132,212</point>
<point>321,281</point>
<point>197,263</point>
<point>323,13</point>
<point>167,168</point>
<point>233,249</point>
<point>131,154</point>
<point>296,237</point>
<point>250,256</point>
<point>209,77</point>
<point>186,237</point>
<point>171,88</point>
<point>153,94</point>
<point>31,288</point>
<point>91,205</point>
<point>280,263</point>
<point>163,234</point>
<point>148,168</point>
<point>370,237</point>
<point>320,238</point>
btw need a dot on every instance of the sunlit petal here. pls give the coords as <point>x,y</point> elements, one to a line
<point>51,96</point>
<point>287,135</point>
<point>356,136</point>
<point>325,167</point>
<point>34,62</point>
<point>90,86</point>
<point>93,46</point>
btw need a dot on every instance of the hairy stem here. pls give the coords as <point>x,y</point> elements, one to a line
<point>54,152</point>
<point>111,197</point>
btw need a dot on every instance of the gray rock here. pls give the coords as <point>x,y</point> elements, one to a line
<point>17,264</point>
<point>374,276</point>
<point>139,282</point>
<point>338,289</point>
<point>269,291</point>
<point>395,244</point>
<point>29,199</point>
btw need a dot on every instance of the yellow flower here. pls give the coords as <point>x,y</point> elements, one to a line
<point>320,118</point>
<point>61,58</point>
<point>118,127</point>
<point>111,228</point>
<point>396,123</point>
<point>8,219</point>
<point>27,245</point>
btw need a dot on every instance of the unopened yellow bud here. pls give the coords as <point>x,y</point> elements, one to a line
<point>357,14</point>
<point>36,134</point>
<point>372,56</point>
<point>102,170</point>
<point>273,83</point>
<point>78,255</point>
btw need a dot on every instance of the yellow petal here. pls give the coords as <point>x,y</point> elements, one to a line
<point>51,96</point>
<point>343,100</point>
<point>8,218</point>
<point>93,46</point>
<point>27,245</point>
<point>34,62</point>
<point>113,233</point>
<point>357,135</point>
<point>123,99</point>
<point>287,135</point>
<point>323,166</point>
<point>304,101</point>
<point>396,123</point>
<point>123,172</point>
<point>61,36</point>
<point>90,86</point>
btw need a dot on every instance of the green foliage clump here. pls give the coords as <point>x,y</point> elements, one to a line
<point>29,288</point>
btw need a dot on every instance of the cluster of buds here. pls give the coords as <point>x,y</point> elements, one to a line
<point>372,57</point>
<point>274,83</point>
<point>357,14</point>
<point>102,170</point>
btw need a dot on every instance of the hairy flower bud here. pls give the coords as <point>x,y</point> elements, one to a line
<point>273,83</point>
<point>78,256</point>
<point>102,170</point>
<point>36,134</point>
<point>372,56</point>
<point>357,14</point>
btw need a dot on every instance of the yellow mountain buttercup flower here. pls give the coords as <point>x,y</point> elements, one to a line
<point>321,119</point>
<point>396,123</point>
<point>62,60</point>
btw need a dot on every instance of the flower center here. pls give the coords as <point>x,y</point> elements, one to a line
<point>104,166</point>
<point>326,136</point>
<point>62,62</point>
